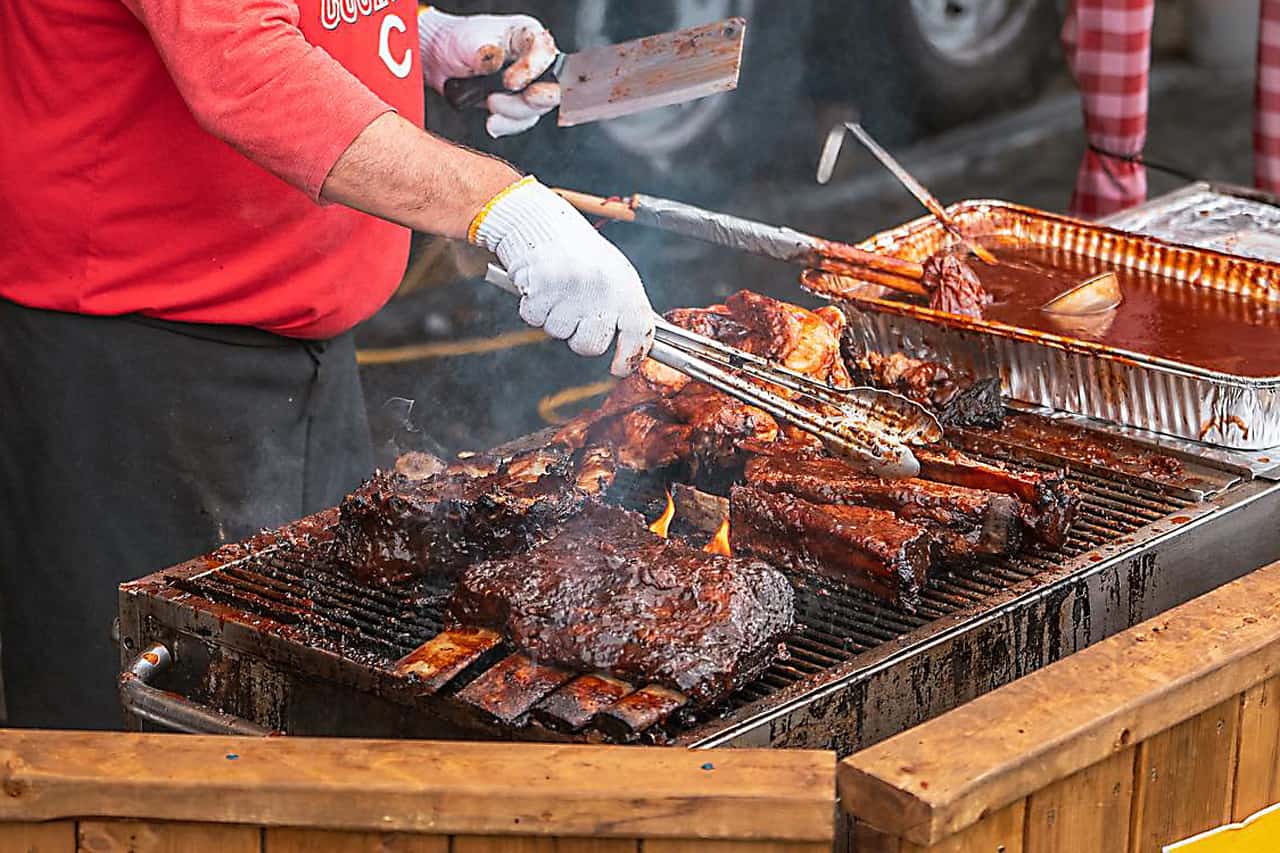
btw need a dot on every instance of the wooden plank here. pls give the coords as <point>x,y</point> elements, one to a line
<point>420,786</point>
<point>1088,810</point>
<point>868,839</point>
<point>1000,832</point>
<point>515,844</point>
<point>54,837</point>
<point>939,777</point>
<point>692,846</point>
<point>1258,770</point>
<point>1184,778</point>
<point>296,840</point>
<point>136,836</point>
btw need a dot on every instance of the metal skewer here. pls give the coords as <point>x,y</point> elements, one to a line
<point>867,426</point>
<point>827,163</point>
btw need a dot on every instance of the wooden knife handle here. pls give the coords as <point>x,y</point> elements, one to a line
<point>470,93</point>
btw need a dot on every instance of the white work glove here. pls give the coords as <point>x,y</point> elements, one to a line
<point>573,283</point>
<point>458,46</point>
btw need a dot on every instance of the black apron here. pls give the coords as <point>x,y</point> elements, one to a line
<point>128,445</point>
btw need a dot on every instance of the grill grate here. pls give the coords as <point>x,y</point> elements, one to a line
<point>302,589</point>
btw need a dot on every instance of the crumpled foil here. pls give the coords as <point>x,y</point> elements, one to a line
<point>1201,216</point>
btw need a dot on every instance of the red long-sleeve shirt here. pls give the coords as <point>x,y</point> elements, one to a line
<point>164,157</point>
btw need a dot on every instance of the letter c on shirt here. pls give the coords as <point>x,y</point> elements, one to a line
<point>401,67</point>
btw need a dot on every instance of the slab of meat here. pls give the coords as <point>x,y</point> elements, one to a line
<point>606,595</point>
<point>963,523</point>
<point>1049,503</point>
<point>393,529</point>
<point>869,548</point>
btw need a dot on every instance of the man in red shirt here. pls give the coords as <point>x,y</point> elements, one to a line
<point>198,200</point>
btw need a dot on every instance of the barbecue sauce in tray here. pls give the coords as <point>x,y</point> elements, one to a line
<point>1160,316</point>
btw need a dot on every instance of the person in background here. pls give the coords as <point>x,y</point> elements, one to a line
<point>198,200</point>
<point>1108,47</point>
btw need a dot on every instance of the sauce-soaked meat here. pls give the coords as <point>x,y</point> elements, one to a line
<point>868,548</point>
<point>393,529</point>
<point>689,422</point>
<point>604,594</point>
<point>953,286</point>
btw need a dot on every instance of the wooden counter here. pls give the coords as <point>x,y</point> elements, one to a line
<point>68,791</point>
<point>1149,737</point>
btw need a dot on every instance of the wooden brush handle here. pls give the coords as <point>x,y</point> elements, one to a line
<point>619,209</point>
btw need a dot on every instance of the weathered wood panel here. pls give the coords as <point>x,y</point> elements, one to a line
<point>932,781</point>
<point>1088,810</point>
<point>419,786</point>
<point>1258,770</point>
<point>56,837</point>
<point>510,844</point>
<point>296,840</point>
<point>137,836</point>
<point>675,845</point>
<point>1000,832</point>
<point>1184,778</point>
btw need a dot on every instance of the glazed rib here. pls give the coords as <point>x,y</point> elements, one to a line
<point>964,523</point>
<point>865,547</point>
<point>1049,503</point>
<point>606,595</point>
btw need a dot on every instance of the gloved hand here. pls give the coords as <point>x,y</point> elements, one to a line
<point>573,283</point>
<point>474,45</point>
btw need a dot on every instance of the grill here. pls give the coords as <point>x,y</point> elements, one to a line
<point>271,631</point>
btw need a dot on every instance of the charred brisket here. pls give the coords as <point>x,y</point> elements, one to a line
<point>394,529</point>
<point>606,595</point>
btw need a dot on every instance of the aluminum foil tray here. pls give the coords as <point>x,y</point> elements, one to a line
<point>1211,216</point>
<point>1069,374</point>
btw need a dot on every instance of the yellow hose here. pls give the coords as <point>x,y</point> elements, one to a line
<point>548,406</point>
<point>449,349</point>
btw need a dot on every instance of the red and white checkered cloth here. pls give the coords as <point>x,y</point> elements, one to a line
<point>1108,46</point>
<point>1266,125</point>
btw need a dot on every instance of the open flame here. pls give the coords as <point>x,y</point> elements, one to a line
<point>664,521</point>
<point>719,544</point>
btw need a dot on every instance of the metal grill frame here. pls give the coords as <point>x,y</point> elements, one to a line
<point>974,631</point>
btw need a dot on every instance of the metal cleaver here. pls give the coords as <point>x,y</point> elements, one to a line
<point>620,79</point>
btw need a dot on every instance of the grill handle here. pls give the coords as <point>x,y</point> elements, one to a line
<point>171,710</point>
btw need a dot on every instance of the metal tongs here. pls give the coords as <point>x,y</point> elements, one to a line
<point>868,427</point>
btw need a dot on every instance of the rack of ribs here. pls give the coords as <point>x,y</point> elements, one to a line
<point>606,595</point>
<point>394,529</point>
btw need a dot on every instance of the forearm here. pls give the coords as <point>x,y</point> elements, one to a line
<point>400,172</point>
